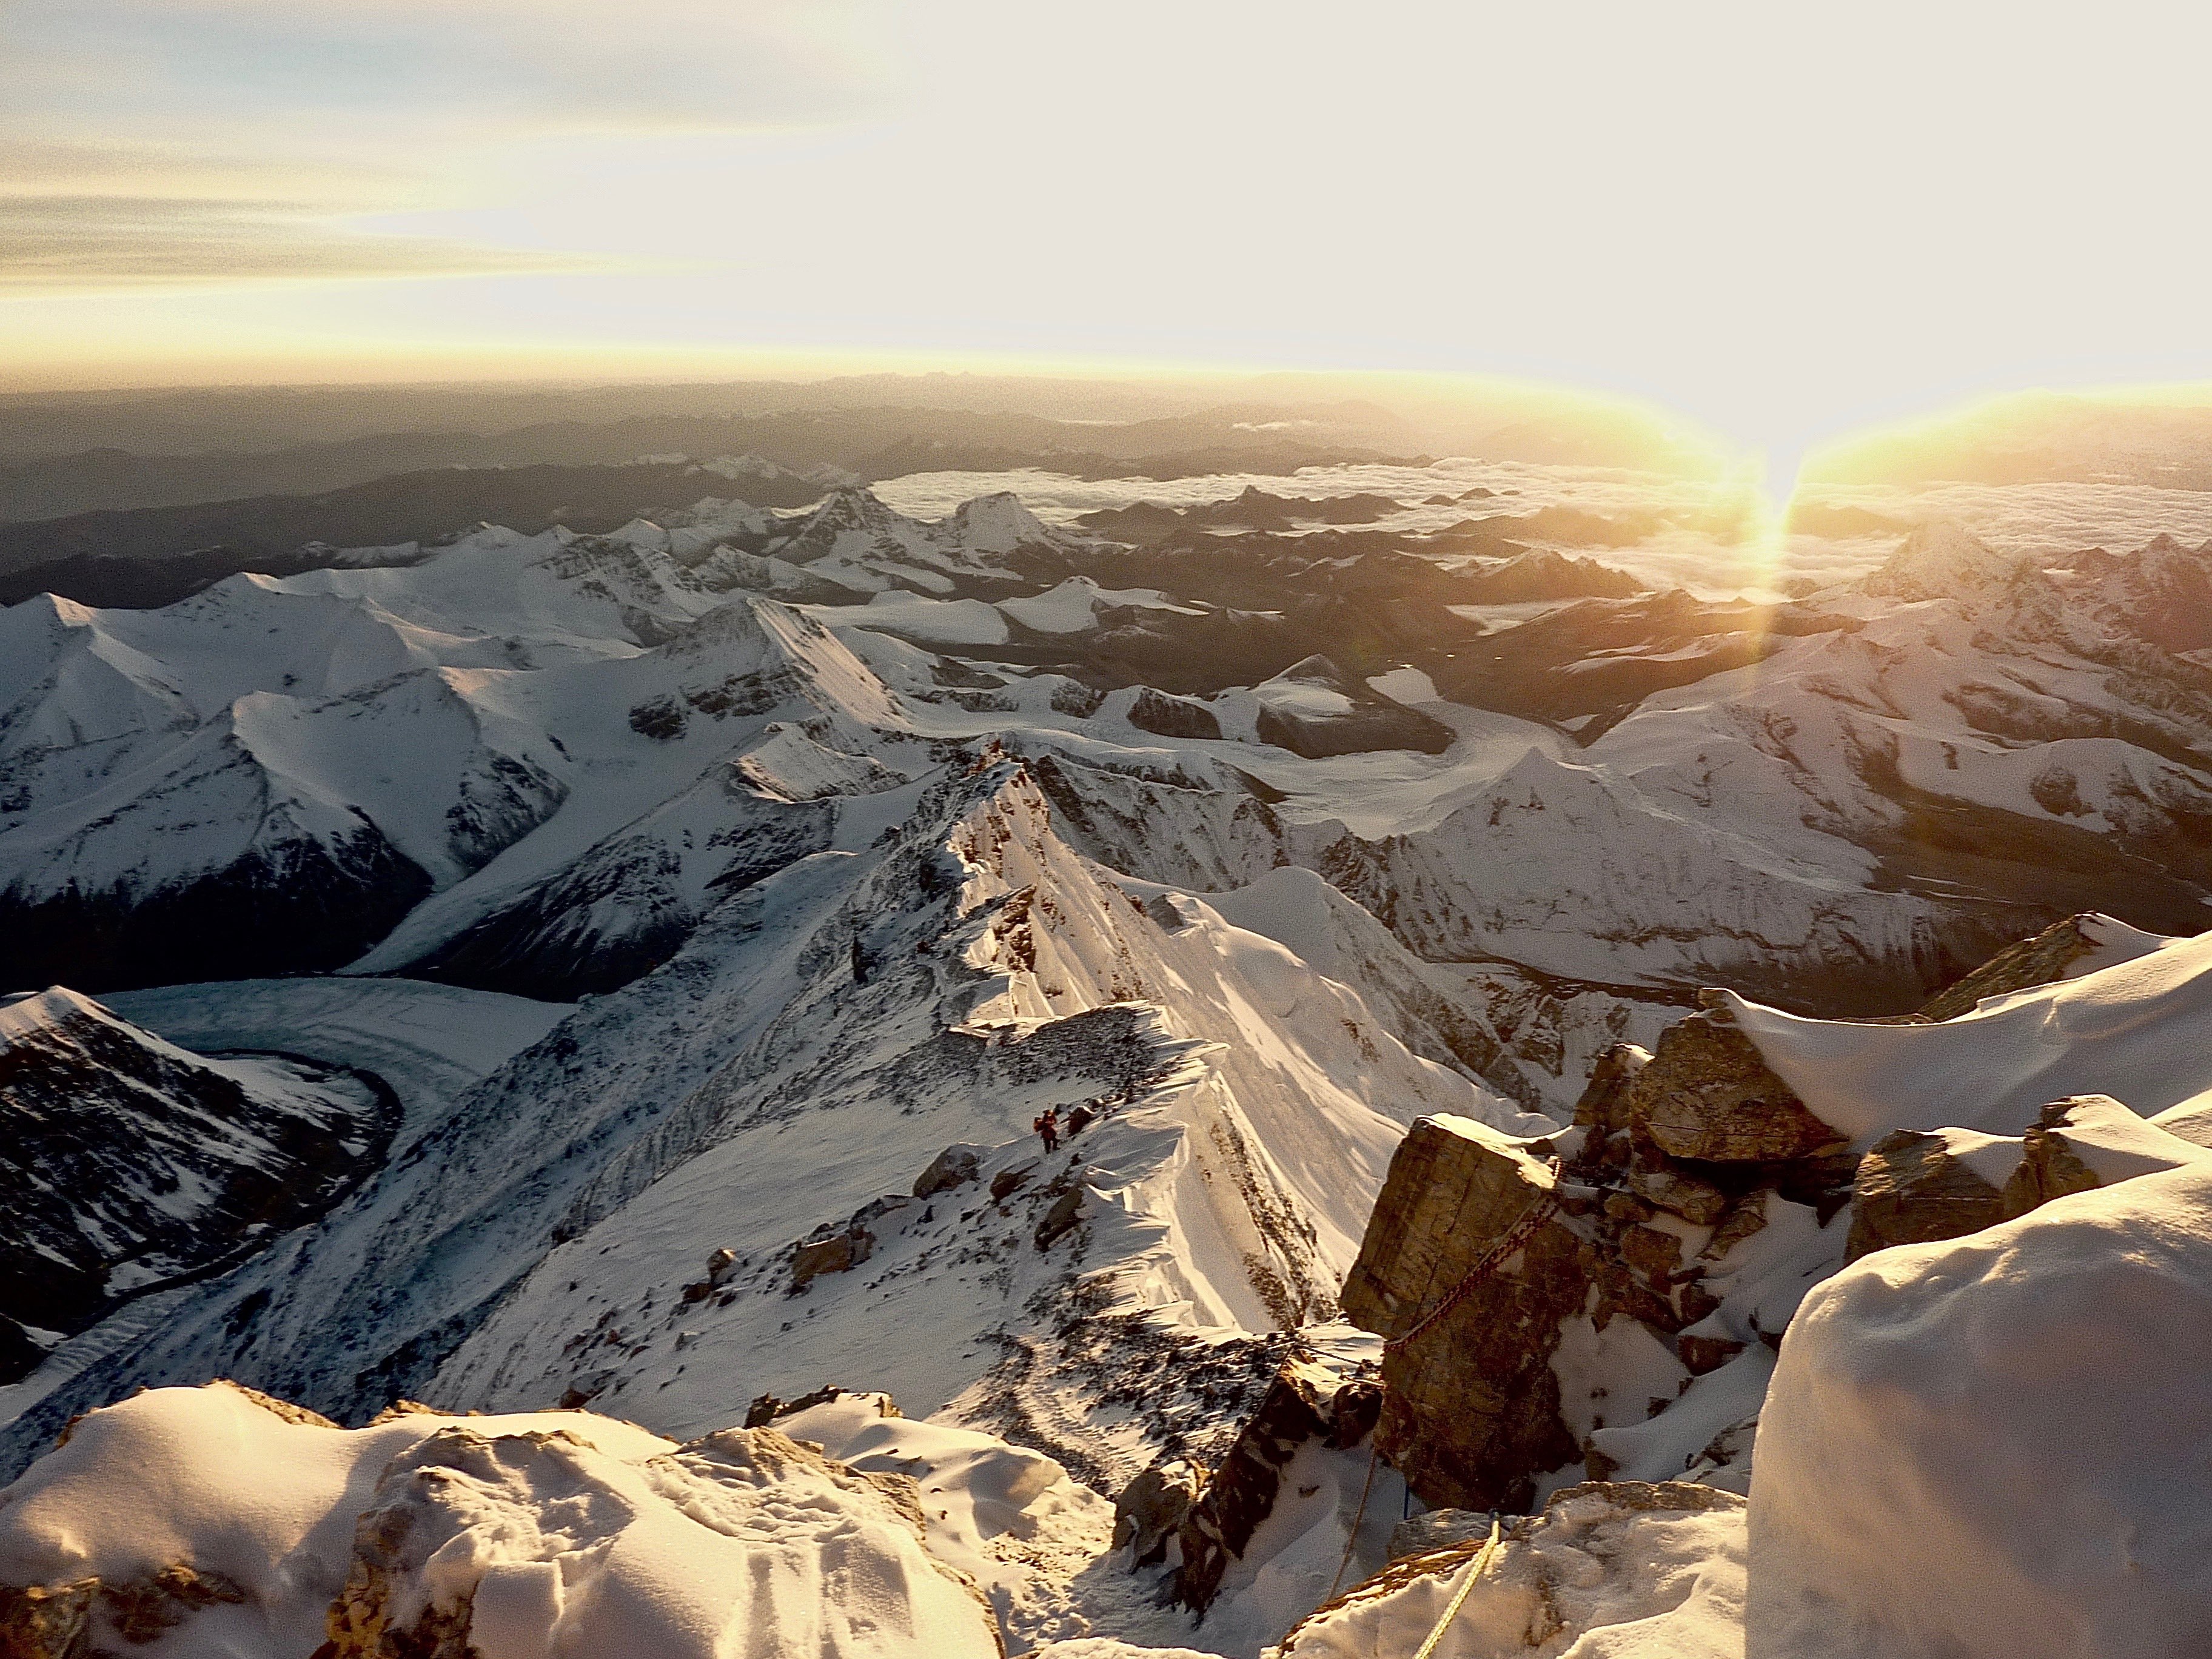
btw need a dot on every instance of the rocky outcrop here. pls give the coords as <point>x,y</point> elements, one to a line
<point>1707,1094</point>
<point>69,1621</point>
<point>1471,1406</point>
<point>2048,956</point>
<point>956,1166</point>
<point>839,1251</point>
<point>1915,1186</point>
<point>302,904</point>
<point>1920,1184</point>
<point>1485,1252</point>
<point>1152,1508</point>
<point>1307,1401</point>
<point>1316,709</point>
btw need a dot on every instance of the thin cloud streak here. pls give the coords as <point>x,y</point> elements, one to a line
<point>58,243</point>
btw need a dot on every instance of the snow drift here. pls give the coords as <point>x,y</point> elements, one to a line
<point>195,1521</point>
<point>1992,1447</point>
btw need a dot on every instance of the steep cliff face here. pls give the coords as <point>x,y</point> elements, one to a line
<point>127,1163</point>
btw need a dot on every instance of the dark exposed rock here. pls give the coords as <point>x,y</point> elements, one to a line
<point>1915,1186</point>
<point>2039,961</point>
<point>111,1182</point>
<point>767,1408</point>
<point>302,906</point>
<point>1701,1354</point>
<point>47,1621</point>
<point>1307,1401</point>
<point>620,910</point>
<point>2055,1150</point>
<point>1604,1106</point>
<point>1010,1181</point>
<point>1911,1187</point>
<point>1368,721</point>
<point>62,1621</point>
<point>1172,717</point>
<point>1746,1217</point>
<point>1707,1094</point>
<point>19,1355</point>
<point>1653,1254</point>
<point>1677,1192</point>
<point>660,718</point>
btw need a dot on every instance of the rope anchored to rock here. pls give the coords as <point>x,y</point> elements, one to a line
<point>1516,1235</point>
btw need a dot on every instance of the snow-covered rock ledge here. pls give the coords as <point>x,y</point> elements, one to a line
<point>216,1519</point>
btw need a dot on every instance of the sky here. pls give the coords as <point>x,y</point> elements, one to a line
<point>1784,222</point>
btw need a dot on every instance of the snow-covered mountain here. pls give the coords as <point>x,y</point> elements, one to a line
<point>749,882</point>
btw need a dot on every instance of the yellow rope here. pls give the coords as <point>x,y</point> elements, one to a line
<point>1459,1596</point>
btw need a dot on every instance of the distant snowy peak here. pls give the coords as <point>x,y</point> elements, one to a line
<point>740,468</point>
<point>1543,573</point>
<point>854,541</point>
<point>1942,561</point>
<point>996,525</point>
<point>2162,592</point>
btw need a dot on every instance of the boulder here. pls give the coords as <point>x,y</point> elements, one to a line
<point>956,1166</point>
<point>1708,1095</point>
<point>1917,1185</point>
<point>834,1253</point>
<point>1152,1508</point>
<point>1603,1106</point>
<point>1059,1220</point>
<point>1653,1254</point>
<point>1471,1411</point>
<point>1665,1186</point>
<point>1747,1216</point>
<point>2086,1141</point>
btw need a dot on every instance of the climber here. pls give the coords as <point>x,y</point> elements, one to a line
<point>1048,1129</point>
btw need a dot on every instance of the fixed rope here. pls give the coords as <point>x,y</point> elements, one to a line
<point>1428,1648</point>
<point>1351,1538</point>
<point>1531,1219</point>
